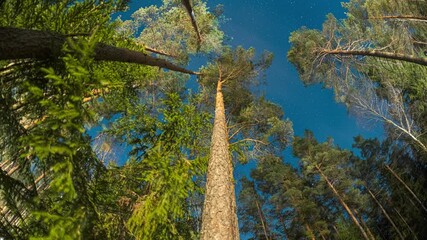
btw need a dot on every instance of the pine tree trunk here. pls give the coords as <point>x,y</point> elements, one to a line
<point>341,201</point>
<point>379,54</point>
<point>219,219</point>
<point>190,12</point>
<point>402,17</point>
<point>23,43</point>
<point>309,232</point>
<point>407,187</point>
<point>360,218</point>
<point>385,214</point>
<point>406,223</point>
<point>261,217</point>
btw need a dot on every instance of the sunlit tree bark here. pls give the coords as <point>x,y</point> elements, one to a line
<point>219,219</point>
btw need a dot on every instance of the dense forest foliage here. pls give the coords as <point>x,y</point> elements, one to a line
<point>101,136</point>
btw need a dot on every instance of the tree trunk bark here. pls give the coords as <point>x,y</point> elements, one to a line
<point>341,201</point>
<point>23,43</point>
<point>379,54</point>
<point>406,186</point>
<point>385,214</point>
<point>219,219</point>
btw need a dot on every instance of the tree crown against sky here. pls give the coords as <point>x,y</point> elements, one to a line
<point>57,183</point>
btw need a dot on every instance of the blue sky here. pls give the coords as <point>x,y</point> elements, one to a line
<point>266,25</point>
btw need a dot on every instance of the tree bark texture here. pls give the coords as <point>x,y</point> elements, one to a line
<point>23,43</point>
<point>379,54</point>
<point>341,201</point>
<point>219,219</point>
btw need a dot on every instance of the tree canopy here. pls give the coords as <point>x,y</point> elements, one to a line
<point>107,131</point>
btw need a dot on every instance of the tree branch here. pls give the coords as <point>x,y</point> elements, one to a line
<point>379,54</point>
<point>405,17</point>
<point>23,43</point>
<point>160,52</point>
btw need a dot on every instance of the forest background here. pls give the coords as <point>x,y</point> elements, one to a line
<point>60,182</point>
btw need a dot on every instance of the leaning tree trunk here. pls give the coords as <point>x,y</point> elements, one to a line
<point>406,223</point>
<point>385,214</point>
<point>23,43</point>
<point>378,54</point>
<point>402,17</point>
<point>407,187</point>
<point>360,218</point>
<point>219,219</point>
<point>341,201</point>
<point>189,10</point>
<point>261,217</point>
<point>309,232</point>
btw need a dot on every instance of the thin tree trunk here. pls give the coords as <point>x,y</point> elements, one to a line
<point>350,213</point>
<point>360,218</point>
<point>379,54</point>
<point>3,163</point>
<point>309,232</point>
<point>406,186</point>
<point>404,17</point>
<point>190,12</point>
<point>336,229</point>
<point>385,214</point>
<point>406,223</point>
<point>261,216</point>
<point>23,43</point>
<point>219,219</point>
